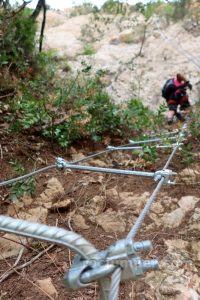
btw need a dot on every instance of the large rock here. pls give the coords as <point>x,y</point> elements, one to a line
<point>195,250</point>
<point>111,221</point>
<point>131,75</point>
<point>135,202</point>
<point>173,219</point>
<point>53,191</point>
<point>11,245</point>
<point>188,176</point>
<point>194,223</point>
<point>187,203</point>
<point>177,277</point>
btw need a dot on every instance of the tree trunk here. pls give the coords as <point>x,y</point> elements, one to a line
<point>40,5</point>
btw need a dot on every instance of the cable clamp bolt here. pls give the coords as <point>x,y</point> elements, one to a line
<point>166,173</point>
<point>123,254</point>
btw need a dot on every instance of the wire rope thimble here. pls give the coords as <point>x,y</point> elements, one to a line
<point>72,279</point>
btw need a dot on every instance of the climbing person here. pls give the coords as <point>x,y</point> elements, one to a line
<point>175,93</point>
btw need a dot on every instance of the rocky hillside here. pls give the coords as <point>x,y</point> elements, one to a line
<point>101,207</point>
<point>136,55</point>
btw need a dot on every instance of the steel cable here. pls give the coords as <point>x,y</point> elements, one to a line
<point>116,276</point>
<point>23,177</point>
<point>115,284</point>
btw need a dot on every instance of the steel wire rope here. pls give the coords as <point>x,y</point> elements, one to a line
<point>116,276</point>
<point>33,173</point>
<point>115,284</point>
<point>149,203</point>
<point>23,177</point>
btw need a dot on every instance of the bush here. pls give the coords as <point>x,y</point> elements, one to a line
<point>137,116</point>
<point>90,112</point>
<point>17,39</point>
<point>181,9</point>
<point>195,121</point>
<point>112,7</point>
<point>88,50</point>
<point>84,9</point>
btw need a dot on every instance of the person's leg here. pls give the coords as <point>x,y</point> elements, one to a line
<point>180,116</point>
<point>170,116</point>
<point>171,112</point>
<point>185,107</point>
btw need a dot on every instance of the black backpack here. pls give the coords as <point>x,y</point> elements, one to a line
<point>168,88</point>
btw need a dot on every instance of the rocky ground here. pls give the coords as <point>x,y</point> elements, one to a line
<point>103,208</point>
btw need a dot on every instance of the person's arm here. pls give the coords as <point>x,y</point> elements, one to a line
<point>186,83</point>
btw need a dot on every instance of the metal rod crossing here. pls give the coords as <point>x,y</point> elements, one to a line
<point>62,164</point>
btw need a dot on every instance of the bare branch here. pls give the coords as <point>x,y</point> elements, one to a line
<point>28,263</point>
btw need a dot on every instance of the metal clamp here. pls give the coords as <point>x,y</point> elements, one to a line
<point>165,173</point>
<point>122,254</point>
<point>60,162</point>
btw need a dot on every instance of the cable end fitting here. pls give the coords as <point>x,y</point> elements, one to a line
<point>60,162</point>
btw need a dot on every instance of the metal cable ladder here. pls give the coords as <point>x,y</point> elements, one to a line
<point>120,261</point>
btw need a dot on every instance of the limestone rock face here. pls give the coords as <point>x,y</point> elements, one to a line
<point>132,65</point>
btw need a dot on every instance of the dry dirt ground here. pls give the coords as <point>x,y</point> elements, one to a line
<point>80,187</point>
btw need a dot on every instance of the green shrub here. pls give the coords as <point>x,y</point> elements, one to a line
<point>29,108</point>
<point>187,156</point>
<point>151,8</point>
<point>84,9</point>
<point>148,153</point>
<point>195,121</point>
<point>20,188</point>
<point>112,7</point>
<point>17,39</point>
<point>89,50</point>
<point>181,9</point>
<point>137,116</point>
<point>90,114</point>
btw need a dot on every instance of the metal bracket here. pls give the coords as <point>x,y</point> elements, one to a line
<point>122,254</point>
<point>165,173</point>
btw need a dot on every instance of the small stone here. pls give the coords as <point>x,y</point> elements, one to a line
<point>47,286</point>
<point>79,222</point>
